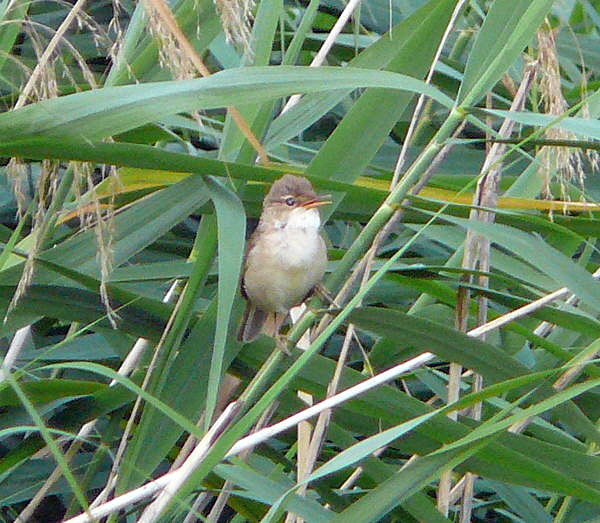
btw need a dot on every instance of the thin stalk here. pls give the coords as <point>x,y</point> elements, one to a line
<point>44,235</point>
<point>252,440</point>
<point>417,112</point>
<point>202,254</point>
<point>48,51</point>
<point>305,428</point>
<point>170,22</point>
<point>327,45</point>
<point>325,416</point>
<point>476,253</point>
<point>384,213</point>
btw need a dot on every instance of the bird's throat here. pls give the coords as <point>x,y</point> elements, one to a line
<point>304,220</point>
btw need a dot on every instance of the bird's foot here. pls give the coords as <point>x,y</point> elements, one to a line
<point>281,342</point>
<point>324,294</point>
<point>319,311</point>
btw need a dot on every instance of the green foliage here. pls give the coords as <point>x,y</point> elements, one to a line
<point>174,213</point>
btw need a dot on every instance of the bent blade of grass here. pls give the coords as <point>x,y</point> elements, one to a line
<point>231,222</point>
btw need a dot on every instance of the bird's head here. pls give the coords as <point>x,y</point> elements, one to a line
<point>292,202</point>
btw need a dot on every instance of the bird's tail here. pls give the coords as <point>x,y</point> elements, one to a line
<point>256,321</point>
<point>252,323</point>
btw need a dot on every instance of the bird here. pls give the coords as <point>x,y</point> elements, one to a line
<point>285,258</point>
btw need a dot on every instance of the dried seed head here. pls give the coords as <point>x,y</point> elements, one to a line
<point>170,55</point>
<point>236,19</point>
<point>45,191</point>
<point>16,171</point>
<point>55,55</point>
<point>565,163</point>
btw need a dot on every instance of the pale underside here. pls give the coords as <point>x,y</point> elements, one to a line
<point>286,263</point>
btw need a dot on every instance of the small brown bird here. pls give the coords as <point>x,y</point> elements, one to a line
<point>285,257</point>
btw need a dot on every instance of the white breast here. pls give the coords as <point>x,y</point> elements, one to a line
<point>282,269</point>
<point>304,219</point>
<point>299,241</point>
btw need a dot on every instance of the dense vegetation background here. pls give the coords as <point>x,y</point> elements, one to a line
<point>454,376</point>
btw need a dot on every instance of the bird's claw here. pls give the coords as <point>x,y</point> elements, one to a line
<point>281,342</point>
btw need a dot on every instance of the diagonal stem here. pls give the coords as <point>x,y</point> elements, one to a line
<point>476,252</point>
<point>170,22</point>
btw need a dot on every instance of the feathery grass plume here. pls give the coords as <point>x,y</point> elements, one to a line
<point>566,163</point>
<point>52,50</point>
<point>46,85</point>
<point>236,19</point>
<point>100,217</point>
<point>104,231</point>
<point>17,174</point>
<point>116,35</point>
<point>592,155</point>
<point>45,190</point>
<point>170,56</point>
<point>54,54</point>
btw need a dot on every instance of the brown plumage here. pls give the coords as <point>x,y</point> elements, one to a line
<point>285,256</point>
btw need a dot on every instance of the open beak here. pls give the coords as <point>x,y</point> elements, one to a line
<point>317,202</point>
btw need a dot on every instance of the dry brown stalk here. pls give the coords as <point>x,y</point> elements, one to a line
<point>315,443</point>
<point>252,440</point>
<point>166,15</point>
<point>319,58</point>
<point>417,112</point>
<point>476,254</point>
<point>42,65</point>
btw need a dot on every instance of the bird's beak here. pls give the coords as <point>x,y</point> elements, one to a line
<point>317,202</point>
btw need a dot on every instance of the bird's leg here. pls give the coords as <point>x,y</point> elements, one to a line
<point>281,342</point>
<point>281,339</point>
<point>324,294</point>
<point>272,328</point>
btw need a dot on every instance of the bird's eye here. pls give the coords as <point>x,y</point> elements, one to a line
<point>290,201</point>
